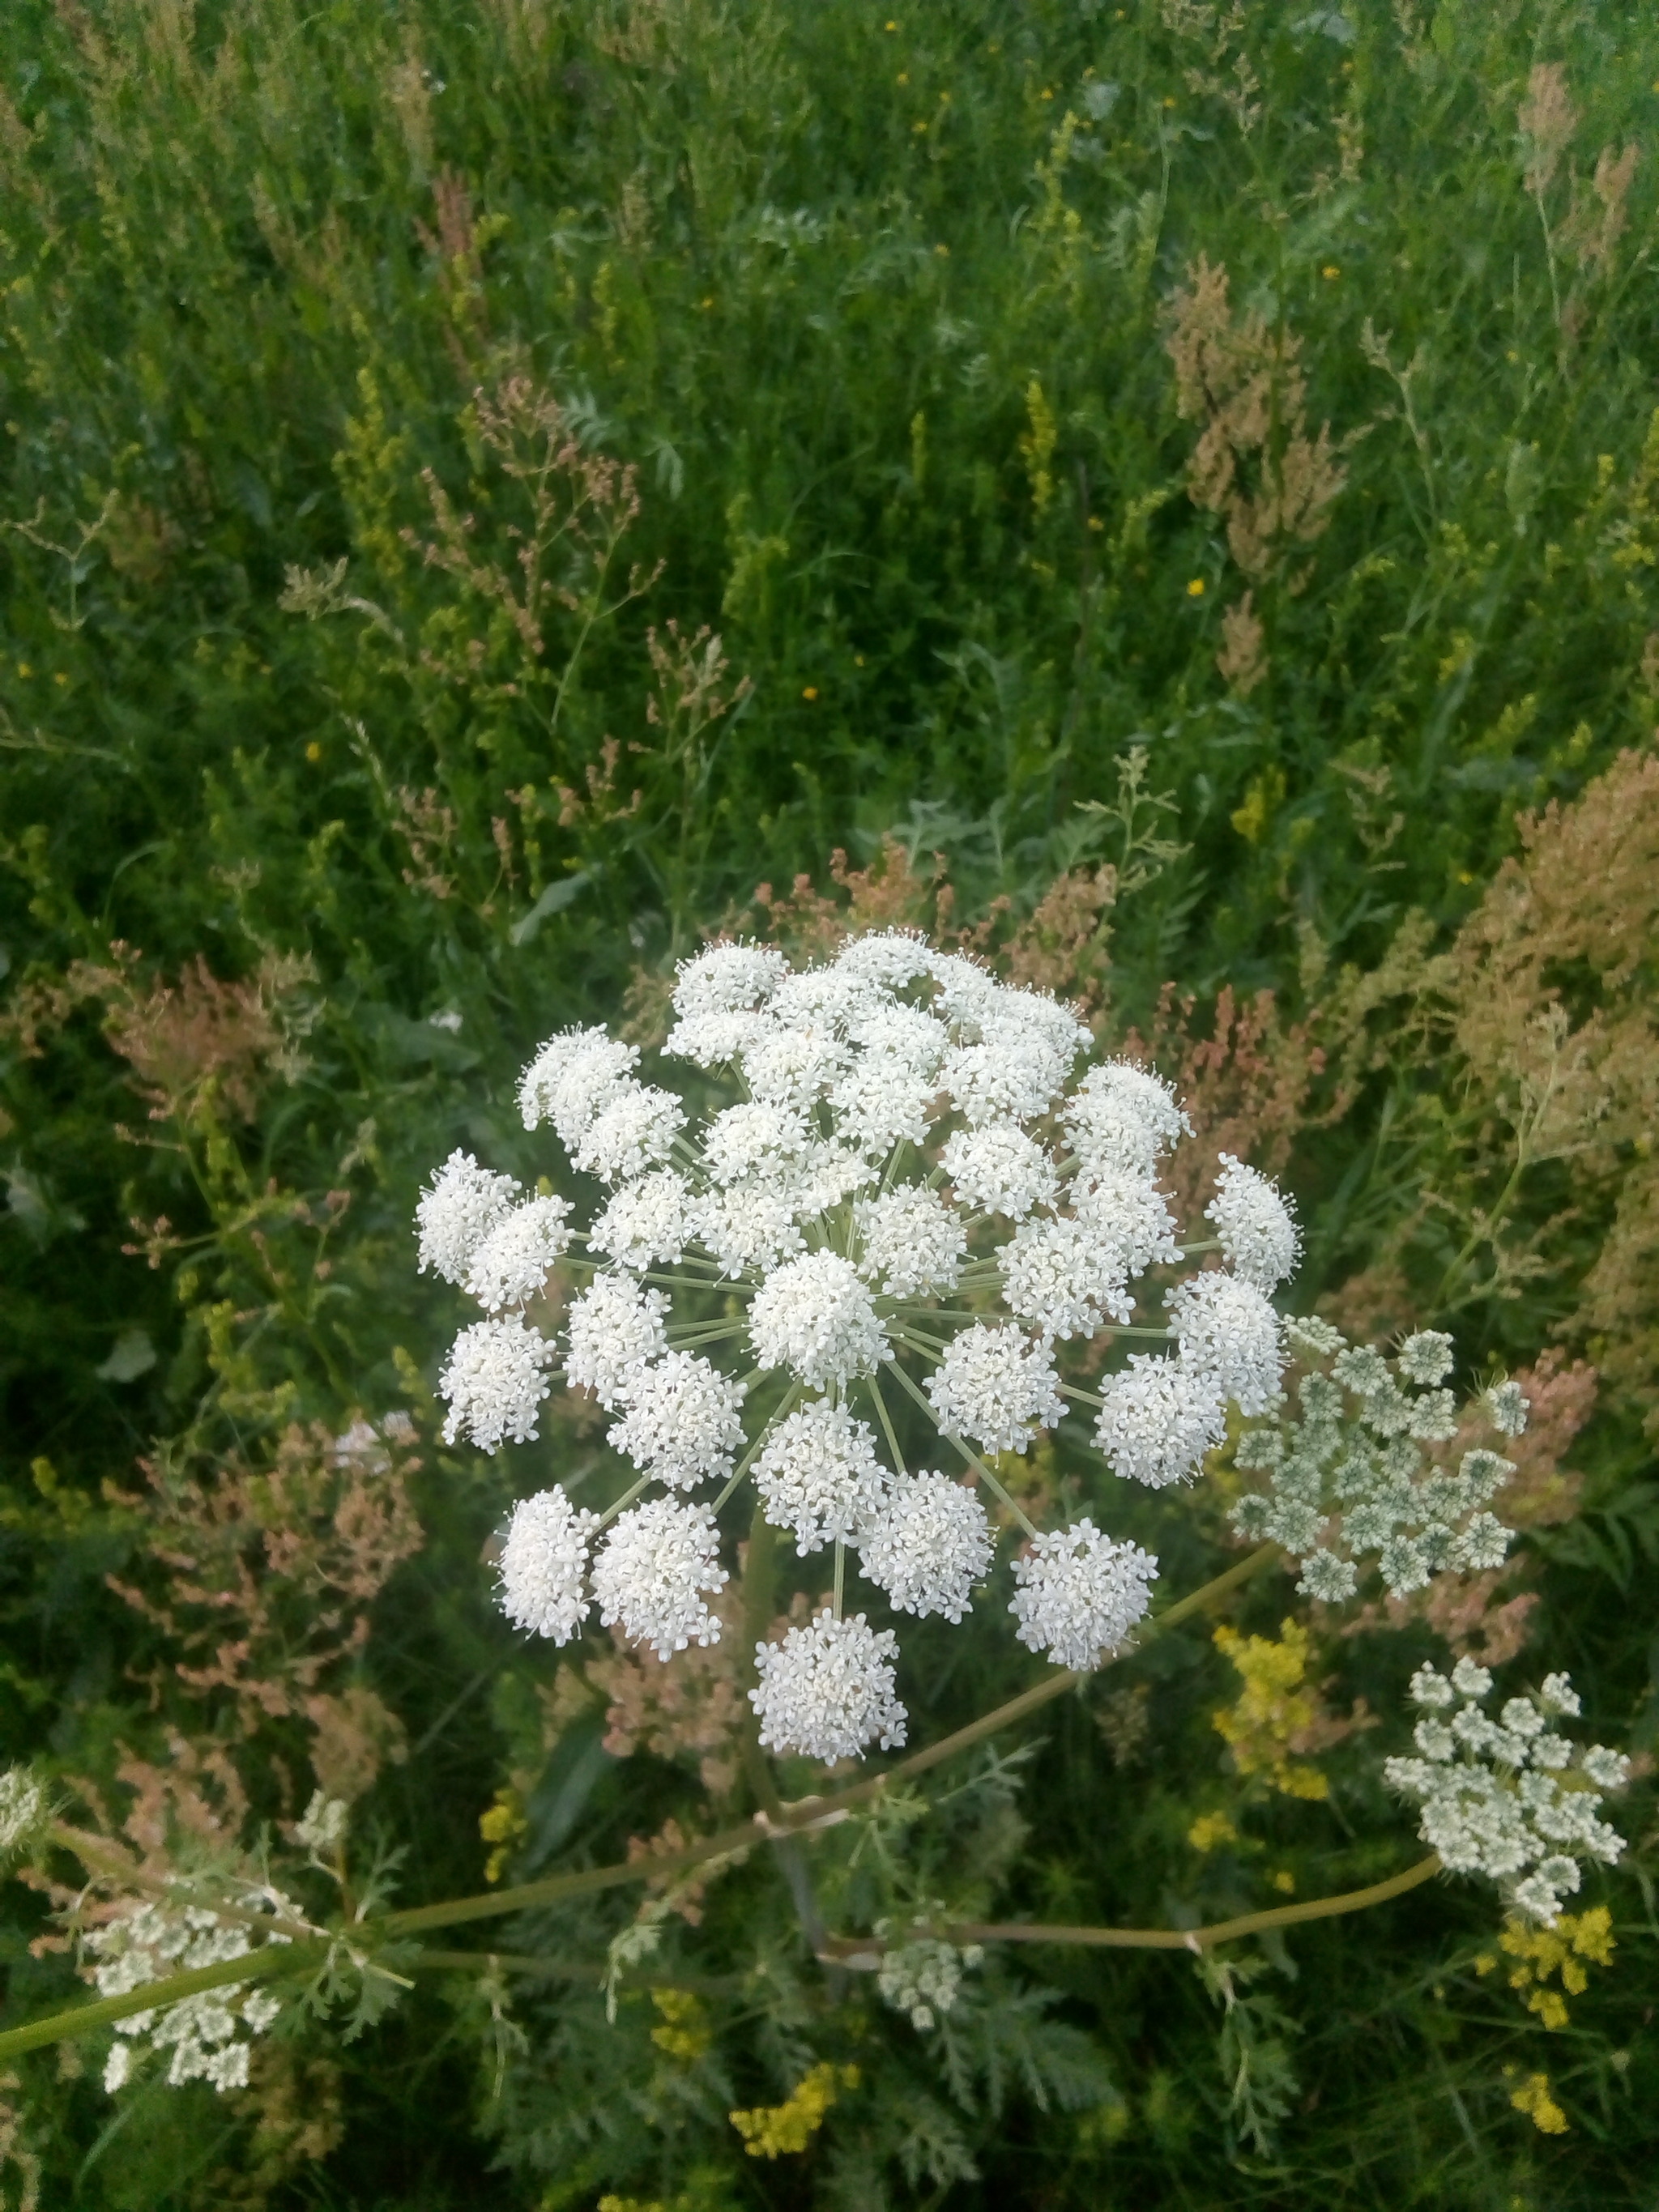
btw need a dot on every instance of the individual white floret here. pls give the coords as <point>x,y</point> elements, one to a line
<point>24,1809</point>
<point>1485,1543</point>
<point>1130,1215</point>
<point>928,1546</point>
<point>996,1387</point>
<point>1014,1076</point>
<point>1471,1679</point>
<point>1329,1578</point>
<point>815,1317</point>
<point>881,1099</point>
<point>755,1138</point>
<point>1079,1594</point>
<point>541,1564</point>
<point>1608,1770</point>
<point>791,1067</point>
<point>458,1212</point>
<point>717,1040</point>
<point>1433,1417</point>
<point>827,1690</point>
<point>1121,1117</point>
<point>1227,1333</point>
<point>748,1226</point>
<point>909,1034</point>
<point>999,1169</point>
<point>510,1266</point>
<point>634,1129</point>
<point>615,1328</point>
<point>912,1240</point>
<point>652,1571</point>
<point>684,1422</point>
<point>1058,1276</point>
<point>727,979</point>
<point>967,994</point>
<point>645,1223</point>
<point>495,1380</point>
<point>1427,1357</point>
<point>889,958</point>
<point>824,999</point>
<point>823,1175</point>
<point>1506,1408</point>
<point>1557,1695</point>
<point>570,1078</point>
<point>1258,1232</point>
<point>818,1476</point>
<point>1428,1688</point>
<point>1157,1420</point>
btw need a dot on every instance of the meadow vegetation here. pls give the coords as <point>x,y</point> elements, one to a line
<point>495,496</point>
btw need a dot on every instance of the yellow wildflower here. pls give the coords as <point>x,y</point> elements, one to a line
<point>1273,1709</point>
<point>684,2034</point>
<point>503,1826</point>
<point>1210,1830</point>
<point>1533,2098</point>
<point>1561,1950</point>
<point>779,2130</point>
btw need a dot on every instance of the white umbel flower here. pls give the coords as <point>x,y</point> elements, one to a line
<point>645,1222</point>
<point>818,1476</point>
<point>912,1240</point>
<point>928,1546</point>
<point>1257,1229</point>
<point>755,1138</point>
<point>791,1067</point>
<point>748,1226</point>
<point>1079,1594</point>
<point>1130,1215</point>
<point>569,1080</point>
<point>1121,1117</point>
<point>651,1574</point>
<point>1230,1336</point>
<point>1058,1276</point>
<point>727,979</point>
<point>1158,1421</point>
<point>495,1380</point>
<point>458,1212</point>
<point>541,1564</point>
<point>999,1169</point>
<point>889,958</point>
<point>634,1129</point>
<point>995,1386</point>
<point>510,1266</point>
<point>814,1316</point>
<point>684,1423</point>
<point>827,1690</point>
<point>615,1330</point>
<point>880,1100</point>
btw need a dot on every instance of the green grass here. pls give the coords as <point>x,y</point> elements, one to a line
<point>877,312</point>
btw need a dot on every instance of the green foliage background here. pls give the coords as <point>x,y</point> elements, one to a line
<point>876,310</point>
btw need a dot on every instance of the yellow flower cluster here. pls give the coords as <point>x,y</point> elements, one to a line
<point>1273,1711</point>
<point>684,2034</point>
<point>1533,2098</point>
<point>1541,1952</point>
<point>504,1828</point>
<point>775,2130</point>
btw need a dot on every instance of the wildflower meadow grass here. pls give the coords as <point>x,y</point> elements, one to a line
<point>829,902</point>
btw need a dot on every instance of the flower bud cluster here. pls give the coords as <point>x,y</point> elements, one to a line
<point>1512,1797</point>
<point>1353,1479</point>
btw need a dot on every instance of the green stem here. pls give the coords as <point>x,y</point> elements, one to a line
<point>972,1457</point>
<point>843,1948</point>
<point>285,1961</point>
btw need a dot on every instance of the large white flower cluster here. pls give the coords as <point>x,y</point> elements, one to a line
<point>912,1211</point>
<point>1512,1798</point>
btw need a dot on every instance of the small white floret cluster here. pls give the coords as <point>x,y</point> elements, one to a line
<point>209,2035</point>
<point>1357,1478</point>
<point>1512,1798</point>
<point>922,1976</point>
<point>916,1203</point>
